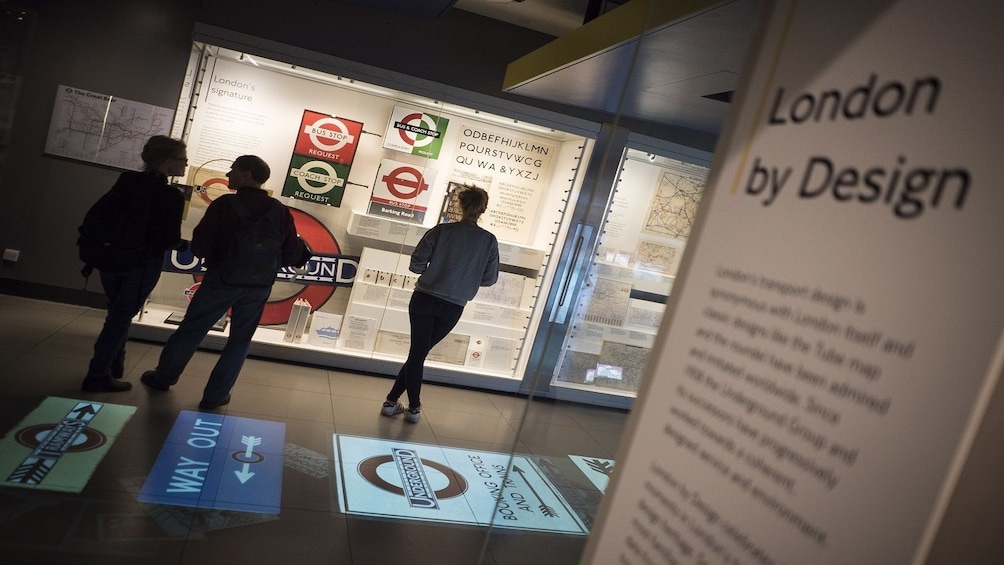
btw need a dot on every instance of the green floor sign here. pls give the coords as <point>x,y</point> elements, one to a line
<point>59,444</point>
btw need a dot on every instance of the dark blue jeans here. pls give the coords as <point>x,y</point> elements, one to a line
<point>431,319</point>
<point>211,301</point>
<point>126,292</point>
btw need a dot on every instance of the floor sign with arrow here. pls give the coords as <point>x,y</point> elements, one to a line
<point>222,462</point>
<point>59,444</point>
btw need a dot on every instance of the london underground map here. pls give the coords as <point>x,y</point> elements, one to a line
<point>674,205</point>
<point>103,129</point>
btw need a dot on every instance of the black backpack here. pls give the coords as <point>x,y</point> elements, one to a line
<point>254,256</point>
<point>113,236</point>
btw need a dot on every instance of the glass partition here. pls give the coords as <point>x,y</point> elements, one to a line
<point>614,273</point>
<point>590,231</point>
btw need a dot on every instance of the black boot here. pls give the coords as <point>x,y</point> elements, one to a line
<point>104,384</point>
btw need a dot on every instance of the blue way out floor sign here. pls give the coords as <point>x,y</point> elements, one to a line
<point>222,462</point>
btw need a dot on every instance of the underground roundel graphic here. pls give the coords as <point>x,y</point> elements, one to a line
<point>328,138</point>
<point>213,187</point>
<point>415,132</point>
<point>322,158</point>
<point>316,181</point>
<point>326,270</point>
<point>324,245</point>
<point>60,444</point>
<point>401,191</point>
<point>409,461</point>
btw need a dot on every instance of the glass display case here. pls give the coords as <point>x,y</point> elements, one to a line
<point>634,260</point>
<point>366,171</point>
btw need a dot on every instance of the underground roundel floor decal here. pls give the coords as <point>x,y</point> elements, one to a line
<point>59,444</point>
<point>403,480</point>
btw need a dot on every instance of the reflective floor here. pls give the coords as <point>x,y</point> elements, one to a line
<point>91,506</point>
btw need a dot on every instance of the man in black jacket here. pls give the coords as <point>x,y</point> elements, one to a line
<point>154,209</point>
<point>213,240</point>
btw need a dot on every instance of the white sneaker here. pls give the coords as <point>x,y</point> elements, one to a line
<point>413,415</point>
<point>392,408</point>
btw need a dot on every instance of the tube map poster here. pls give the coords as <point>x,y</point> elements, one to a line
<point>103,129</point>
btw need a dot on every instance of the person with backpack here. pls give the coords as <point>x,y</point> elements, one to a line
<point>244,238</point>
<point>125,235</point>
<point>453,260</point>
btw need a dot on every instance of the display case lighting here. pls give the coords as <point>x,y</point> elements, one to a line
<point>250,59</point>
<point>496,119</point>
<point>346,82</point>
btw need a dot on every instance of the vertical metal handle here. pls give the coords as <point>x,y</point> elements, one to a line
<point>571,271</point>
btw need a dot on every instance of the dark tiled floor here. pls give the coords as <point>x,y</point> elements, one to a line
<point>44,349</point>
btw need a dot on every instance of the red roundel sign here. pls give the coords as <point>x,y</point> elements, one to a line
<point>322,242</point>
<point>417,135</point>
<point>405,183</point>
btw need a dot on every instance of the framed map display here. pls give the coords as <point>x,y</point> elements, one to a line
<point>674,204</point>
<point>103,129</point>
<point>658,256</point>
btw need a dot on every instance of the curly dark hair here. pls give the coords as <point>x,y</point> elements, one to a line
<point>473,201</point>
